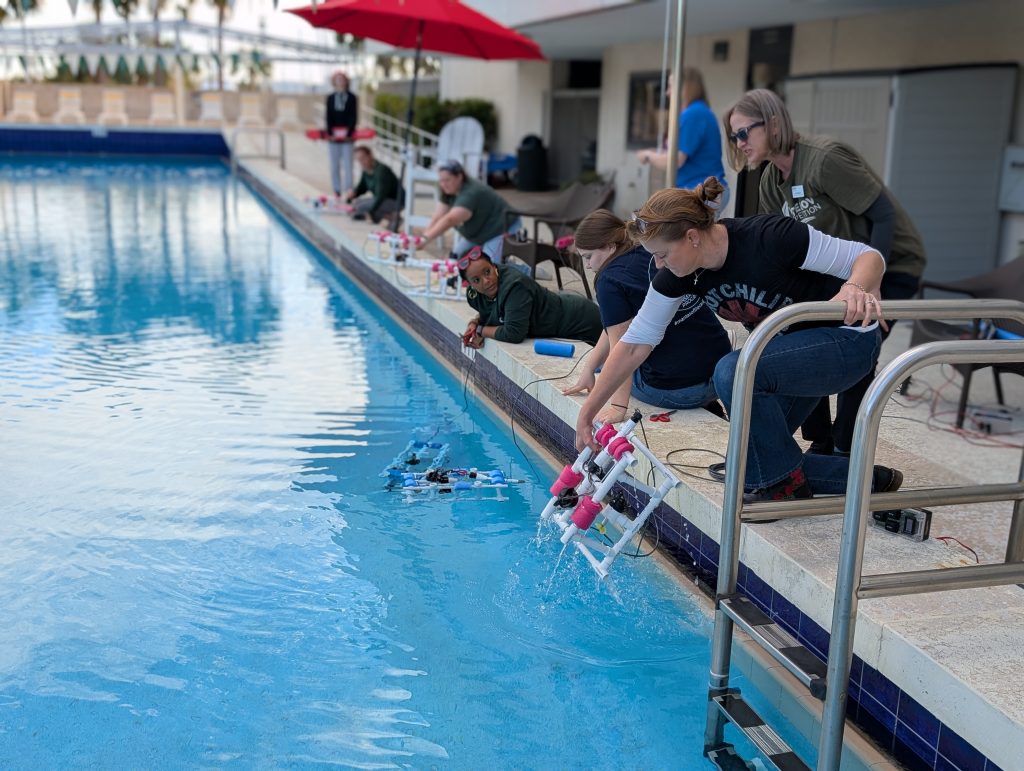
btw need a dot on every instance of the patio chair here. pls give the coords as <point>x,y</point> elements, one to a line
<point>69,106</point>
<point>250,110</point>
<point>161,109</point>
<point>23,110</point>
<point>211,109</point>
<point>113,108</point>
<point>1005,283</point>
<point>460,140</point>
<point>288,114</point>
<point>532,251</point>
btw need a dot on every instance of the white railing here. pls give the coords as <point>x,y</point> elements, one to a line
<point>391,134</point>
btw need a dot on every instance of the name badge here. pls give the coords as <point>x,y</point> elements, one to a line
<point>798,191</point>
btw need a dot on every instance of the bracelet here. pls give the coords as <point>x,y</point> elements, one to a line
<point>854,283</point>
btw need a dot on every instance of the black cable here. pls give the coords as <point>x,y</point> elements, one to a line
<point>465,385</point>
<point>681,466</point>
<point>519,396</point>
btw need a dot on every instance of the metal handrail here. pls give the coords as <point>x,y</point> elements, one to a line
<point>851,584</point>
<point>266,131</point>
<point>732,508</point>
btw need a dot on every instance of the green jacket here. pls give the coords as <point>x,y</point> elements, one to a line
<point>523,308</point>
<point>382,182</point>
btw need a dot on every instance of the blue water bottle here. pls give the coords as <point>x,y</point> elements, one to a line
<point>554,348</point>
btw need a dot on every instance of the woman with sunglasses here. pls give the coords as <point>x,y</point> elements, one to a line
<point>745,269</point>
<point>677,374</point>
<point>473,209</point>
<point>828,185</point>
<point>511,306</point>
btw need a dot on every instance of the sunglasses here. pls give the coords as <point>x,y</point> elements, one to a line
<point>641,224</point>
<point>476,253</point>
<point>743,134</point>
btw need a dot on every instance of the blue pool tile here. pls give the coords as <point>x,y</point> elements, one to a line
<point>959,752</point>
<point>941,764</point>
<point>875,728</point>
<point>758,591</point>
<point>814,637</point>
<point>910,747</point>
<point>918,719</point>
<point>990,766</point>
<point>856,669</point>
<point>880,688</point>
<point>878,711</point>
<point>786,612</point>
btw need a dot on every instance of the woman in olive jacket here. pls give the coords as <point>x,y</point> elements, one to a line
<point>511,306</point>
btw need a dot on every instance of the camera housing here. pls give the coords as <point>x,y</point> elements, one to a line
<point>915,524</point>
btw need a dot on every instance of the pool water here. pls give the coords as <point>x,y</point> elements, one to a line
<point>201,565</point>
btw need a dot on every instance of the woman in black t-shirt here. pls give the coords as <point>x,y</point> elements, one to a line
<point>745,269</point>
<point>677,374</point>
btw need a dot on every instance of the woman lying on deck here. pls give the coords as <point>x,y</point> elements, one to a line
<point>512,306</point>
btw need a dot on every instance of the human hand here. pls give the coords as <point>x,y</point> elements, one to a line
<point>612,414</point>
<point>860,305</point>
<point>585,382</point>
<point>585,431</point>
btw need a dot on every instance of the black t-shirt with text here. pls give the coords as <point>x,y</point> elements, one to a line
<point>761,272</point>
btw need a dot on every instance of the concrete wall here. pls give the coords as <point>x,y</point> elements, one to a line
<point>519,90</point>
<point>965,33</point>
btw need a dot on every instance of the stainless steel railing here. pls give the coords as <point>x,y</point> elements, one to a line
<point>266,131</point>
<point>858,499</point>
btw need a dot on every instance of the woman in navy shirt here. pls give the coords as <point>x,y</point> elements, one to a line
<point>677,374</point>
<point>745,269</point>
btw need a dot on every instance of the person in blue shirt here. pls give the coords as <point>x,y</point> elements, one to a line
<point>677,374</point>
<point>700,140</point>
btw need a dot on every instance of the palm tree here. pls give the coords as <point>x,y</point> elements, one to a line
<point>223,9</point>
<point>19,9</point>
<point>97,8</point>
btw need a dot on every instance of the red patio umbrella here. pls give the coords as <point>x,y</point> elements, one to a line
<point>442,26</point>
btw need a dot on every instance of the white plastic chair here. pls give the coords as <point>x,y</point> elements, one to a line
<point>69,106</point>
<point>250,110</point>
<point>113,108</point>
<point>460,140</point>
<point>24,108</point>
<point>161,109</point>
<point>288,114</point>
<point>211,108</point>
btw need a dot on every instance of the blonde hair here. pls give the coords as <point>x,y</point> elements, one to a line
<point>762,105</point>
<point>693,79</point>
<point>669,213</point>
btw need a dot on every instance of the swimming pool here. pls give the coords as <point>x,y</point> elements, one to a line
<point>201,565</point>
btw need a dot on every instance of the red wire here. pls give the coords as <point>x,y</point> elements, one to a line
<point>945,538</point>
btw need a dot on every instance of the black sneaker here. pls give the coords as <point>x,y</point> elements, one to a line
<point>821,447</point>
<point>793,487</point>
<point>886,480</point>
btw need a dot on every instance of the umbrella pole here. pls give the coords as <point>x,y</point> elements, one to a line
<point>409,185</point>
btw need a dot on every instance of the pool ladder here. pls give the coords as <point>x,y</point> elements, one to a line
<point>727,705</point>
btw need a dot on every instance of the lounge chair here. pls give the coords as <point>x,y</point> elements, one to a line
<point>113,108</point>
<point>288,114</point>
<point>211,109</point>
<point>250,110</point>
<point>24,108</point>
<point>161,109</point>
<point>69,106</point>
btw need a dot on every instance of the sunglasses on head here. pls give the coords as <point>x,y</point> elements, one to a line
<point>476,253</point>
<point>640,222</point>
<point>451,167</point>
<point>743,134</point>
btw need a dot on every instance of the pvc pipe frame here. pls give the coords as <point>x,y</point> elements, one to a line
<point>732,505</point>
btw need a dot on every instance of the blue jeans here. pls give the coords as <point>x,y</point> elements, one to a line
<point>689,398</point>
<point>340,154</point>
<point>492,248</point>
<point>794,372</point>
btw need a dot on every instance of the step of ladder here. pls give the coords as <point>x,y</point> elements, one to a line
<point>778,754</point>
<point>780,644</point>
<point>725,759</point>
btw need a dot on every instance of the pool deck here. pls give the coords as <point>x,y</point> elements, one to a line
<point>958,655</point>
